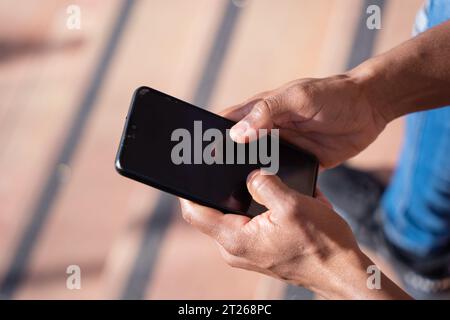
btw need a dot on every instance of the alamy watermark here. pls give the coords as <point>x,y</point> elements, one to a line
<point>73,281</point>
<point>73,21</point>
<point>374,19</point>
<point>374,280</point>
<point>222,150</point>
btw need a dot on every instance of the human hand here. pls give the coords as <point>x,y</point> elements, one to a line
<point>299,239</point>
<point>331,117</point>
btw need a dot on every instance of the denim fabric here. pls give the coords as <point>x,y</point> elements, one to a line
<point>417,202</point>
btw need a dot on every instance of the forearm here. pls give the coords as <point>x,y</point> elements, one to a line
<point>412,77</point>
<point>346,277</point>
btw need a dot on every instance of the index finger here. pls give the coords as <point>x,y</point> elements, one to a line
<point>210,221</point>
<point>239,111</point>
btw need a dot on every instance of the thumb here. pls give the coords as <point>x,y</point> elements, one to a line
<point>261,116</point>
<point>269,190</point>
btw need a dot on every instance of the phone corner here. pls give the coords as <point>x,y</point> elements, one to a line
<point>141,90</point>
<point>118,166</point>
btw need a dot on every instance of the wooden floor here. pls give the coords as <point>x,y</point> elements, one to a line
<point>61,116</point>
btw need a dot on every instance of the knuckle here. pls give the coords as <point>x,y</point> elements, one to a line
<point>235,249</point>
<point>267,105</point>
<point>235,246</point>
<point>261,108</point>
<point>303,91</point>
<point>291,203</point>
<point>267,264</point>
<point>187,216</point>
<point>271,103</point>
<point>260,182</point>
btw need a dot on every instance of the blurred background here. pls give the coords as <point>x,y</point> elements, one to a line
<point>64,95</point>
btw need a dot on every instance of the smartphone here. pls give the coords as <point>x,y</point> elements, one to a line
<point>166,142</point>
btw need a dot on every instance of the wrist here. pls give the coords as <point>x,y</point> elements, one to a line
<point>346,275</point>
<point>376,89</point>
<point>342,276</point>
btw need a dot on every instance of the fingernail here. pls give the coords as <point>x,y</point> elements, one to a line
<point>252,175</point>
<point>239,129</point>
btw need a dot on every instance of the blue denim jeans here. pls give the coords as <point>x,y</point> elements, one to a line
<point>417,202</point>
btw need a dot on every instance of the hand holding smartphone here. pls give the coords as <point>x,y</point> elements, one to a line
<point>176,147</point>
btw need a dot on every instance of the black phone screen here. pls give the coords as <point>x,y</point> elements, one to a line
<point>153,145</point>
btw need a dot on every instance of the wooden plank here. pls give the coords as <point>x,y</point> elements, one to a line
<point>163,47</point>
<point>43,96</point>
<point>190,267</point>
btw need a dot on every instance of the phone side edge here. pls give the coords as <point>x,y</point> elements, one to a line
<point>117,164</point>
<point>316,174</point>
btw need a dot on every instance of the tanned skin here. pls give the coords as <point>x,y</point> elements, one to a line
<point>301,239</point>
